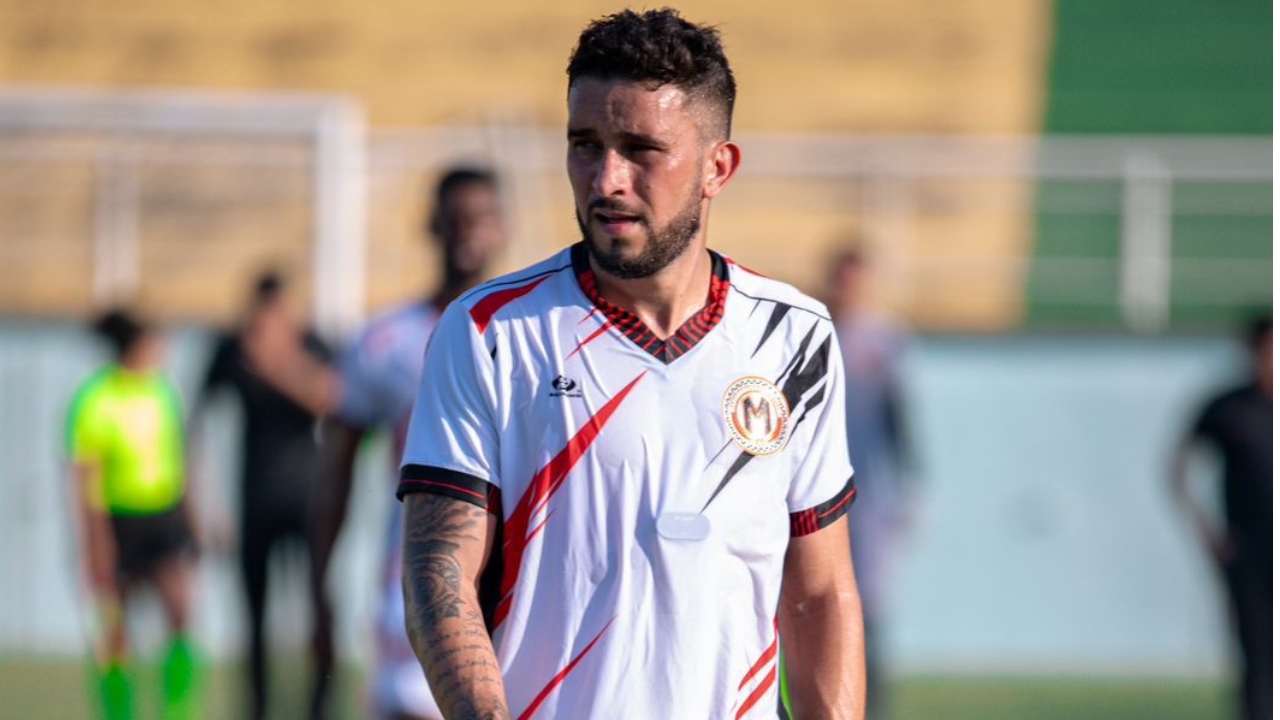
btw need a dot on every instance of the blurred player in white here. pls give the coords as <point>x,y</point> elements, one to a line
<point>874,346</point>
<point>374,387</point>
<point>627,475</point>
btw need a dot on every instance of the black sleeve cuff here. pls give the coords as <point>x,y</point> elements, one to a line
<point>450,483</point>
<point>820,516</point>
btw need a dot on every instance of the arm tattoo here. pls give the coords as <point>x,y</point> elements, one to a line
<point>443,614</point>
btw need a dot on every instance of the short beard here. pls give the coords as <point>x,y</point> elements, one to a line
<point>661,248</point>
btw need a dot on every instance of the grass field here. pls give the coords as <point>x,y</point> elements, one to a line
<point>57,690</point>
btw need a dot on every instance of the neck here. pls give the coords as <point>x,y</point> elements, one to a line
<point>666,299</point>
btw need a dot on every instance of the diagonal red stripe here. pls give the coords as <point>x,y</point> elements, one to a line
<point>599,331</point>
<point>758,693</point>
<point>484,310</point>
<point>545,484</point>
<point>768,655</point>
<point>560,676</point>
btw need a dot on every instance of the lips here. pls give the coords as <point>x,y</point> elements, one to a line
<point>614,221</point>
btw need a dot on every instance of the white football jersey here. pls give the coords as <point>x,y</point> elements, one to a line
<point>647,489</point>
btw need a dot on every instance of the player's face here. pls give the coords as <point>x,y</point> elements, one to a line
<point>471,228</point>
<point>637,158</point>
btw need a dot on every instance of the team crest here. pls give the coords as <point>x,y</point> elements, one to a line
<point>756,414</point>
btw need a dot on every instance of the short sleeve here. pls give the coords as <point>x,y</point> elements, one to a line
<point>822,486</point>
<point>86,429</point>
<point>452,443</point>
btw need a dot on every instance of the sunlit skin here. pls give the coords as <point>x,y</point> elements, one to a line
<point>642,158</point>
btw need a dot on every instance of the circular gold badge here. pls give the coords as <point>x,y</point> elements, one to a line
<point>756,414</point>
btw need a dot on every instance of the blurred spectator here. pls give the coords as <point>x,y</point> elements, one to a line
<point>134,511</point>
<point>1236,424</point>
<point>873,345</point>
<point>375,386</point>
<point>281,461</point>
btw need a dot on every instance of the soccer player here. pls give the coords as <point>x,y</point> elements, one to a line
<point>626,476</point>
<point>374,387</point>
<point>1237,425</point>
<point>874,346</point>
<point>281,462</point>
<point>124,437</point>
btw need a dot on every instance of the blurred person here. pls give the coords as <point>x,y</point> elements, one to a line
<point>374,387</point>
<point>873,345</point>
<point>611,509</point>
<point>1236,424</point>
<point>282,461</point>
<point>135,515</point>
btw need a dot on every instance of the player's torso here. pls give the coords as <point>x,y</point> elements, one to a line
<point>142,431</point>
<point>645,502</point>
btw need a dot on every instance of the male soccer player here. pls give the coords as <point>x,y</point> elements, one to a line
<point>124,436</point>
<point>374,386</point>
<point>1237,425</point>
<point>626,475</point>
<point>282,462</point>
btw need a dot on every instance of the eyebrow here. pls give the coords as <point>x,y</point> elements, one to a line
<point>637,138</point>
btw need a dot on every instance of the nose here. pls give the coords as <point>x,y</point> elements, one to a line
<point>612,175</point>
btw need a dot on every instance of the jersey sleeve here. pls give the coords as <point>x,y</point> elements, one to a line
<point>452,443</point>
<point>822,487</point>
<point>86,428</point>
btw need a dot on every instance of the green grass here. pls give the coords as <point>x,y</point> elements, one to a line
<point>59,690</point>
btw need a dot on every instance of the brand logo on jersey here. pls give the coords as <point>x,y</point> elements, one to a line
<point>565,387</point>
<point>756,413</point>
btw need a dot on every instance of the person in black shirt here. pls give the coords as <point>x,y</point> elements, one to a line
<point>281,468</point>
<point>1237,425</point>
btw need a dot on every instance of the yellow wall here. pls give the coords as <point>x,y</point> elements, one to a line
<point>877,66</point>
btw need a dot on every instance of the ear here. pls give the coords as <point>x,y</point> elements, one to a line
<point>722,163</point>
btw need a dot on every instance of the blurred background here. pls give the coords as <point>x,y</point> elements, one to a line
<point>1068,203</point>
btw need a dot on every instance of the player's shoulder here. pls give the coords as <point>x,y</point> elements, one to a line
<point>762,288</point>
<point>519,281</point>
<point>485,301</point>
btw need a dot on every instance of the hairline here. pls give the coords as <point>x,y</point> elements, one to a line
<point>722,117</point>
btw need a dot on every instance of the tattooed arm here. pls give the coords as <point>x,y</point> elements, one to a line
<point>446,545</point>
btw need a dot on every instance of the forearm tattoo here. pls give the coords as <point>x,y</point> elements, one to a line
<point>443,615</point>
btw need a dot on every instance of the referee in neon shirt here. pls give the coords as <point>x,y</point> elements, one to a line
<point>125,441</point>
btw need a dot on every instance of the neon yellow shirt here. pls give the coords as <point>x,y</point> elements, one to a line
<point>129,427</point>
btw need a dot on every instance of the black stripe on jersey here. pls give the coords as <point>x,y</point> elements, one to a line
<point>800,378</point>
<point>815,518</point>
<point>737,466</point>
<point>775,318</point>
<point>814,371</point>
<point>757,298</point>
<point>450,483</point>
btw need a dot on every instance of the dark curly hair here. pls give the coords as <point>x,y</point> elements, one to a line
<point>659,47</point>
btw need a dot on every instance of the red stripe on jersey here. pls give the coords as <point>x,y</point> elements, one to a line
<point>758,693</point>
<point>840,504</point>
<point>769,653</point>
<point>560,676</point>
<point>431,483</point>
<point>599,331</point>
<point>488,306</point>
<point>545,484</point>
